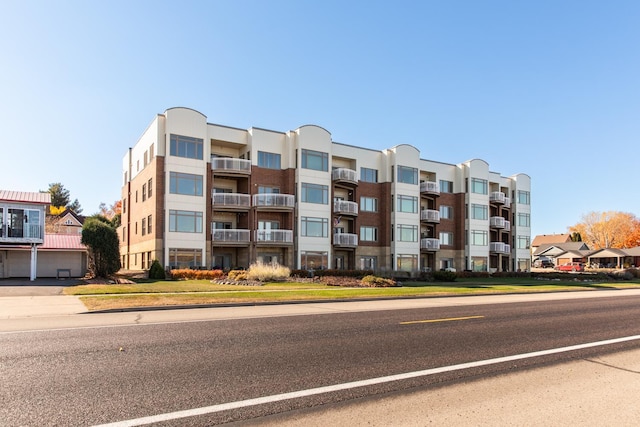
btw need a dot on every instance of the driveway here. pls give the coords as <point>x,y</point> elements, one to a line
<point>39,287</point>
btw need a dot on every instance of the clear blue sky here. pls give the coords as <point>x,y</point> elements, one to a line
<point>546,88</point>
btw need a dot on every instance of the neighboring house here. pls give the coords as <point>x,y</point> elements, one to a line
<point>561,253</point>
<point>615,258</point>
<point>68,222</point>
<point>196,194</point>
<point>26,250</point>
<point>544,240</point>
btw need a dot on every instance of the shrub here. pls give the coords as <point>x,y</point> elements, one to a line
<point>444,276</point>
<point>238,275</point>
<point>188,273</point>
<point>378,282</point>
<point>267,272</point>
<point>156,271</point>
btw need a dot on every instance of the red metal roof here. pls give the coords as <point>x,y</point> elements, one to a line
<point>62,242</point>
<point>25,196</point>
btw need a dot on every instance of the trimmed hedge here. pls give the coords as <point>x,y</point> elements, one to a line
<point>189,274</point>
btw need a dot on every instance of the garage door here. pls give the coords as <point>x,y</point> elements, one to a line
<point>19,263</point>
<point>50,262</point>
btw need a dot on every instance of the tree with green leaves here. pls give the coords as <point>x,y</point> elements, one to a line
<point>60,197</point>
<point>102,242</point>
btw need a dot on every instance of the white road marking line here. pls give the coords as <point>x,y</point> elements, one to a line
<point>355,384</point>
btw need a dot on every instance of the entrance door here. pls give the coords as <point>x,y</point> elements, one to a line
<point>339,263</point>
<point>222,262</point>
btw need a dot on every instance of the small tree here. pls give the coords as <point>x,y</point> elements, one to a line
<point>156,271</point>
<point>104,248</point>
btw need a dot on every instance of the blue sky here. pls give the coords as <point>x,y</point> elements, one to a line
<point>546,88</point>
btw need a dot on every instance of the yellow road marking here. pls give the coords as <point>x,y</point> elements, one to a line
<point>441,320</point>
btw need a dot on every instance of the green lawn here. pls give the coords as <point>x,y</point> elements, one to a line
<point>189,292</point>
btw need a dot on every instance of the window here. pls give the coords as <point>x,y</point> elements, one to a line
<point>185,146</point>
<point>144,192</point>
<point>124,206</point>
<point>124,235</point>
<point>368,204</point>
<point>368,175</point>
<point>407,204</point>
<point>407,175</point>
<point>315,193</point>
<point>268,160</point>
<point>524,197</point>
<point>479,186</point>
<point>479,238</point>
<point>368,262</point>
<point>446,238</point>
<point>185,221</point>
<point>407,262</point>
<point>149,224</point>
<point>268,190</point>
<point>314,227</point>
<point>151,152</point>
<point>524,220</point>
<point>523,242</point>
<point>185,183</point>
<point>446,186</point>
<point>313,260</point>
<point>446,212</point>
<point>478,263</point>
<point>479,211</point>
<point>407,233</point>
<point>149,186</point>
<point>368,234</point>
<point>144,160</point>
<point>315,160</point>
<point>185,258</point>
<point>144,226</point>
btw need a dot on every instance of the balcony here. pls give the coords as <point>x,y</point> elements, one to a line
<point>507,225</point>
<point>497,197</point>
<point>430,188</point>
<point>499,248</point>
<point>430,215</point>
<point>507,202</point>
<point>345,240</point>
<point>273,237</point>
<point>25,234</point>
<point>497,222</point>
<point>345,176</point>
<point>230,201</point>
<point>230,237</point>
<point>429,245</point>
<point>345,208</point>
<point>230,166</point>
<point>274,201</point>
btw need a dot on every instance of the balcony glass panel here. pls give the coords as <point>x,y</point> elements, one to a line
<point>344,207</point>
<point>231,200</point>
<point>429,187</point>
<point>274,236</point>
<point>344,174</point>
<point>430,244</point>
<point>497,197</point>
<point>345,239</point>
<point>430,215</point>
<point>231,165</point>
<point>230,236</point>
<point>274,200</point>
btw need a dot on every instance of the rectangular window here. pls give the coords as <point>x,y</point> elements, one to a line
<point>149,224</point>
<point>368,204</point>
<point>315,193</point>
<point>446,238</point>
<point>149,186</point>
<point>368,263</point>
<point>313,260</point>
<point>268,160</point>
<point>523,242</point>
<point>144,226</point>
<point>315,160</point>
<point>185,258</point>
<point>185,183</point>
<point>479,212</point>
<point>446,186</point>
<point>524,197</point>
<point>524,220</point>
<point>368,175</point>
<point>124,206</point>
<point>268,190</point>
<point>407,262</point>
<point>407,204</point>
<point>185,146</point>
<point>144,192</point>
<point>407,233</point>
<point>479,238</point>
<point>185,221</point>
<point>479,186</point>
<point>368,234</point>
<point>314,227</point>
<point>151,153</point>
<point>407,175</point>
<point>446,212</point>
<point>478,263</point>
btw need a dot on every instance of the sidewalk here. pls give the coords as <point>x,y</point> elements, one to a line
<point>21,298</point>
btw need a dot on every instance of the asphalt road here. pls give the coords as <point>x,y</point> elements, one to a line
<point>104,374</point>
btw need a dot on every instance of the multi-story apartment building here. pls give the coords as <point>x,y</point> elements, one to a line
<point>198,194</point>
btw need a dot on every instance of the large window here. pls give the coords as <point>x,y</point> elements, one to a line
<point>185,221</point>
<point>446,238</point>
<point>446,212</point>
<point>446,186</point>
<point>524,220</point>
<point>315,160</point>
<point>478,263</point>
<point>368,175</point>
<point>185,183</point>
<point>407,175</point>
<point>479,238</point>
<point>185,146</point>
<point>268,190</point>
<point>524,197</point>
<point>314,227</point>
<point>407,233</point>
<point>368,263</point>
<point>315,193</point>
<point>523,242</point>
<point>268,160</point>
<point>368,204</point>
<point>368,234</point>
<point>407,262</point>
<point>479,186</point>
<point>479,211</point>
<point>185,258</point>
<point>313,260</point>
<point>407,204</point>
